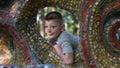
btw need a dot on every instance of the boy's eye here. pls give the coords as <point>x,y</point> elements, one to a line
<point>46,26</point>
<point>53,26</point>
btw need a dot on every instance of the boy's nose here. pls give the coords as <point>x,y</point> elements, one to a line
<point>49,30</point>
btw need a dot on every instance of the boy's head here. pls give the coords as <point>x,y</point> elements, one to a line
<point>54,16</point>
<point>53,24</point>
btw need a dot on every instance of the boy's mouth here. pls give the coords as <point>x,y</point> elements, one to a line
<point>50,34</point>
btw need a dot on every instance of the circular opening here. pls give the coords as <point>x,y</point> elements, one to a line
<point>11,52</point>
<point>5,54</point>
<point>118,34</point>
<point>70,20</point>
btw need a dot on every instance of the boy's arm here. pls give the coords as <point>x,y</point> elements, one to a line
<point>67,57</point>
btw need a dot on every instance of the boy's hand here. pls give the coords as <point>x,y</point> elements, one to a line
<point>66,57</point>
<point>58,50</point>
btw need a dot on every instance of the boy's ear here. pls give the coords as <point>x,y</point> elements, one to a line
<point>63,27</point>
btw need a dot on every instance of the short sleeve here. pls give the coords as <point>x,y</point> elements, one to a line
<point>66,47</point>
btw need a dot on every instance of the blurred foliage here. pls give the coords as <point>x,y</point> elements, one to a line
<point>70,20</point>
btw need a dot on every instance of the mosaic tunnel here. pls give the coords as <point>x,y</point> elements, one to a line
<point>99,29</point>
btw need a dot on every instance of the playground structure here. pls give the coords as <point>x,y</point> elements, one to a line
<point>99,23</point>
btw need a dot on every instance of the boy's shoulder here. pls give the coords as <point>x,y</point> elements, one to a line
<point>64,36</point>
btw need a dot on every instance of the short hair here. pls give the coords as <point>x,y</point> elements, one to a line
<point>54,16</point>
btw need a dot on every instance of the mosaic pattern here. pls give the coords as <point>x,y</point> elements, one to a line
<point>99,21</point>
<point>103,24</point>
<point>14,46</point>
<point>38,49</point>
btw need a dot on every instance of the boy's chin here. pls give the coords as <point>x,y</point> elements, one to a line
<point>51,38</point>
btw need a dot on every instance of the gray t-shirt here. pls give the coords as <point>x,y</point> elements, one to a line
<point>68,41</point>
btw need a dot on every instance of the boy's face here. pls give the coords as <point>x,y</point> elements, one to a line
<point>53,28</point>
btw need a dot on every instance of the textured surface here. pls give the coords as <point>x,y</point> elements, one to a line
<point>99,21</point>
